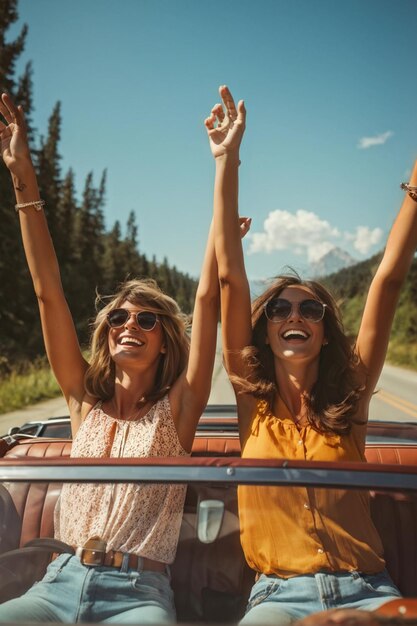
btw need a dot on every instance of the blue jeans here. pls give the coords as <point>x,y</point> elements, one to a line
<point>281,601</point>
<point>71,592</point>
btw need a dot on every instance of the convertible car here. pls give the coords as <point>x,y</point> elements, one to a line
<point>215,420</point>
<point>210,577</point>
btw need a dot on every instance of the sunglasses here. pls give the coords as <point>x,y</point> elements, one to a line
<point>146,320</point>
<point>280,309</point>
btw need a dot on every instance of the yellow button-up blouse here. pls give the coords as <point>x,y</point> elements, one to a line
<point>289,531</point>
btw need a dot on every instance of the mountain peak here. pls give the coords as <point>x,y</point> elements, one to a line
<point>331,262</point>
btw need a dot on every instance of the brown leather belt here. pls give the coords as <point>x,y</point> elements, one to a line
<point>93,554</point>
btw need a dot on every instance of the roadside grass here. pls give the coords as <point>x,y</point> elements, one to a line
<point>403,355</point>
<point>27,386</point>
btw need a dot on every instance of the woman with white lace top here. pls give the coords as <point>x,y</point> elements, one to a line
<point>140,395</point>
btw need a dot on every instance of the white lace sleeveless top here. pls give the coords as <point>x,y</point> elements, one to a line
<point>139,518</point>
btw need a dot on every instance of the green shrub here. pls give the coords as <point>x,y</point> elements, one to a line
<point>403,354</point>
<point>26,385</point>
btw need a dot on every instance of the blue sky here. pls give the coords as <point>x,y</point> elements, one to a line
<point>329,85</point>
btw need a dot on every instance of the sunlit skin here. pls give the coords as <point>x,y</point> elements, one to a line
<point>136,365</point>
<point>296,360</point>
<point>305,351</point>
<point>152,341</point>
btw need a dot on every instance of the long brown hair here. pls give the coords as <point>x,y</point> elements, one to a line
<point>100,376</point>
<point>334,397</point>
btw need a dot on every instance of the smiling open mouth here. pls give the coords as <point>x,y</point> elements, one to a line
<point>295,334</point>
<point>130,341</point>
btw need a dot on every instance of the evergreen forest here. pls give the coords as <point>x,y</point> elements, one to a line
<point>350,286</point>
<point>96,258</point>
<point>92,257</point>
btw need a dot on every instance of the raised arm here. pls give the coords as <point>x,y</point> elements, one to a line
<point>385,289</point>
<point>225,127</point>
<point>189,395</point>
<point>57,326</point>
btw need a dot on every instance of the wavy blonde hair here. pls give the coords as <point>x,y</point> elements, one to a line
<point>334,398</point>
<point>100,376</point>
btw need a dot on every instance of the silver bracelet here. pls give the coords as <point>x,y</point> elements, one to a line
<point>411,190</point>
<point>38,204</point>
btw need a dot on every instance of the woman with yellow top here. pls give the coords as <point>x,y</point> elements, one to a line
<point>302,393</point>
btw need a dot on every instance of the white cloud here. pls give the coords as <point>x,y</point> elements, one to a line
<point>303,232</point>
<point>364,238</point>
<point>376,140</point>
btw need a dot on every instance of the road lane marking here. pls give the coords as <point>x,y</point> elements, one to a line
<point>399,403</point>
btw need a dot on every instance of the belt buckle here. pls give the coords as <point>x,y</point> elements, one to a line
<point>93,552</point>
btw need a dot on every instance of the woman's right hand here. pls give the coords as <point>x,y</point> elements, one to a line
<point>13,137</point>
<point>244,224</point>
<point>225,138</point>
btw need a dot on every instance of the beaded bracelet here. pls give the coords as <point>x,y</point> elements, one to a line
<point>411,190</point>
<point>38,204</point>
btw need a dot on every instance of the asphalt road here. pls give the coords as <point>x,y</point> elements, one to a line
<point>396,395</point>
<point>395,399</point>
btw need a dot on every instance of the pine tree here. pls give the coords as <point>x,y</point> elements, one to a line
<point>114,262</point>
<point>68,211</point>
<point>89,257</point>
<point>9,51</point>
<point>134,266</point>
<point>153,268</point>
<point>164,279</point>
<point>88,249</point>
<point>132,231</point>
<point>17,303</point>
<point>49,176</point>
<point>24,96</point>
